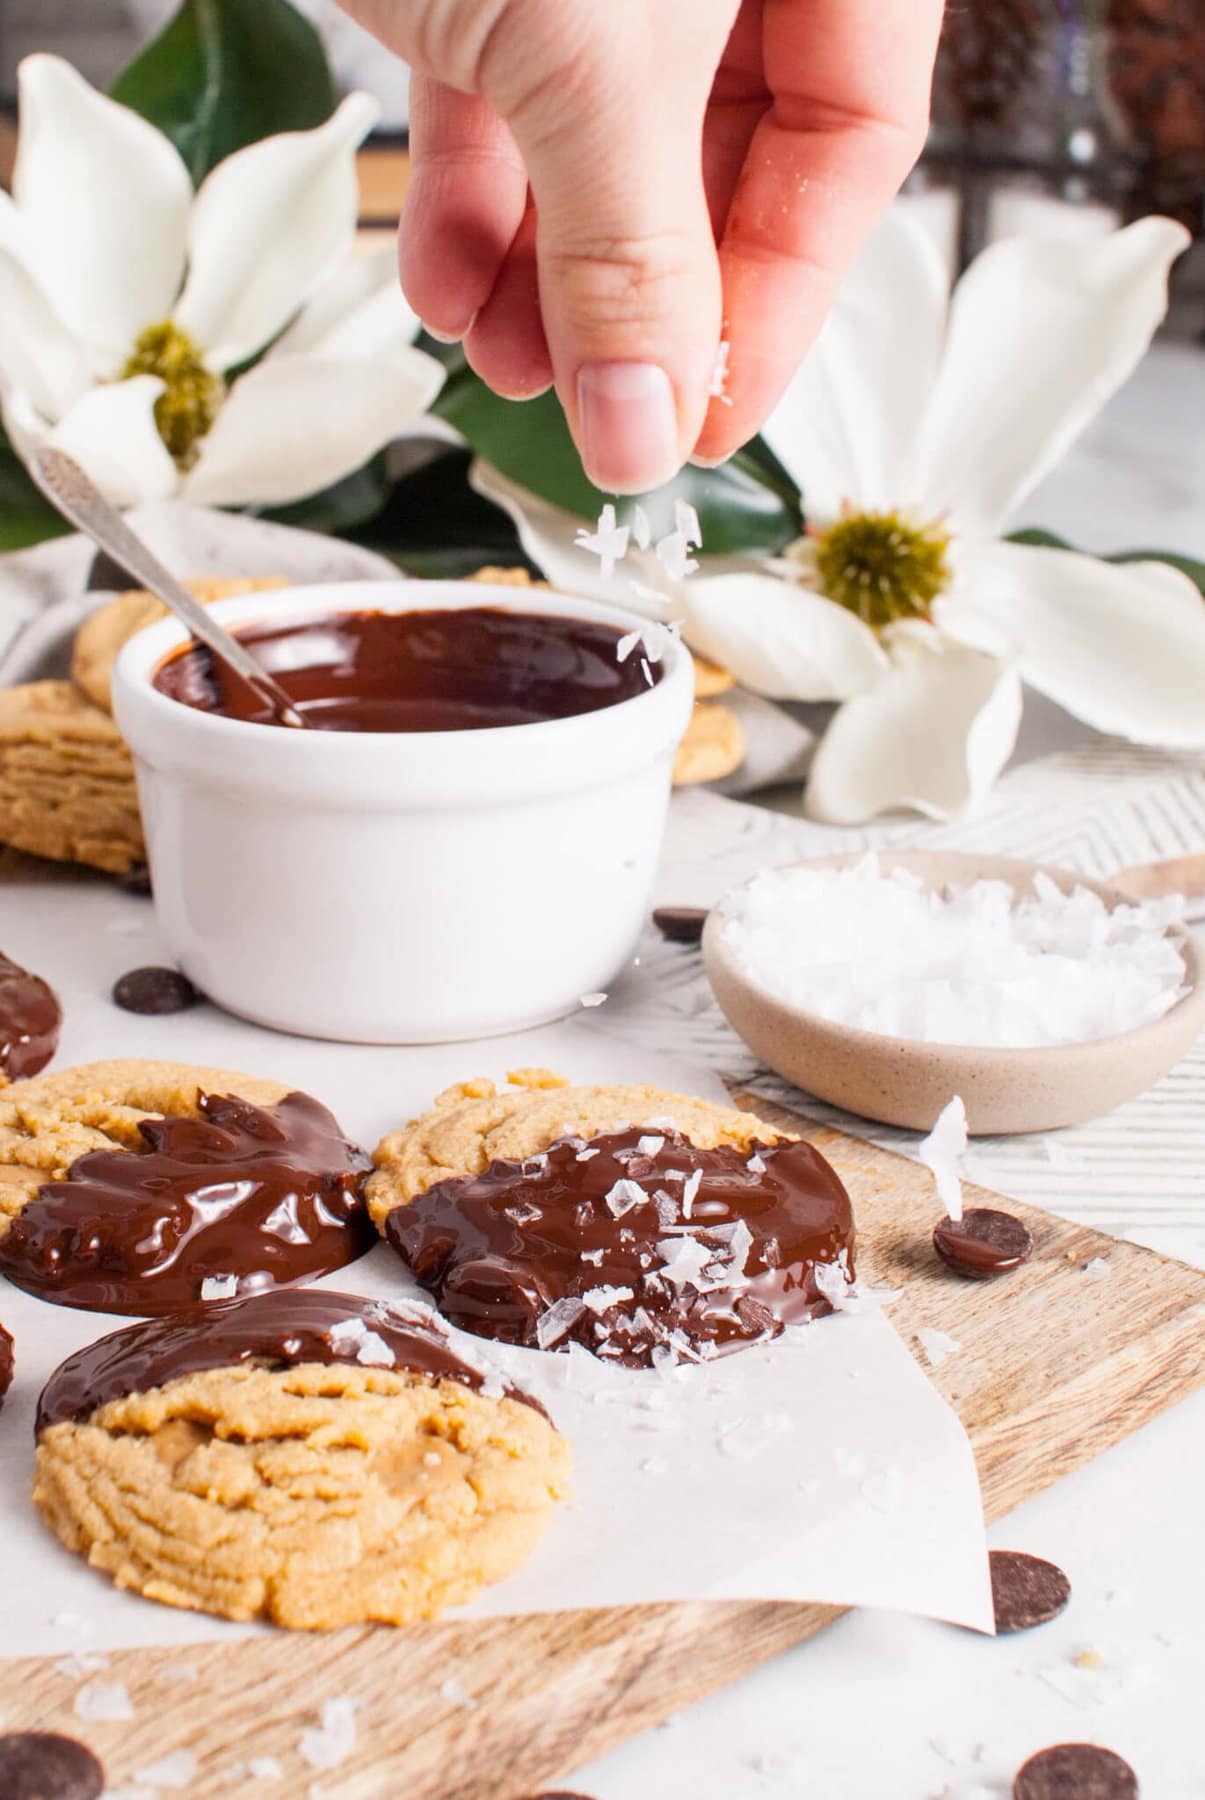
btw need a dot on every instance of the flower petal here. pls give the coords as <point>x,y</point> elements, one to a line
<point>37,352</point>
<point>932,735</point>
<point>267,226</point>
<point>112,434</point>
<point>1042,332</point>
<point>779,638</point>
<point>104,201</point>
<point>1119,645</point>
<point>358,311</point>
<point>845,426</point>
<point>547,534</point>
<point>295,424</point>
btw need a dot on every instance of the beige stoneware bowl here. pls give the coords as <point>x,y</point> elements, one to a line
<point>902,1082</point>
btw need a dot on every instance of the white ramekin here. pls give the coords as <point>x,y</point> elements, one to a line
<point>400,887</point>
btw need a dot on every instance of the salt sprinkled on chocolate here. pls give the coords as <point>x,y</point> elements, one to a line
<point>976,964</point>
<point>940,1152</point>
<point>219,1287</point>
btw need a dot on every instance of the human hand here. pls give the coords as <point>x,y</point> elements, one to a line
<point>600,193</point>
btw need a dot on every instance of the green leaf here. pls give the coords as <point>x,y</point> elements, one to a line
<point>743,506</point>
<point>338,509</point>
<point>433,523</point>
<point>224,73</point>
<point>26,517</point>
<point>1187,565</point>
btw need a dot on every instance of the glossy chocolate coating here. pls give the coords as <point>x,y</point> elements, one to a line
<point>270,1195</point>
<point>447,670</point>
<point>6,1362</point>
<point>277,1330</point>
<point>29,1021</point>
<point>498,1249</point>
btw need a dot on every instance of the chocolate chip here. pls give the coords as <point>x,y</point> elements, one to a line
<point>136,880</point>
<point>680,924</point>
<point>154,991</point>
<point>1076,1772</point>
<point>39,1765</point>
<point>983,1242</point>
<point>1025,1590</point>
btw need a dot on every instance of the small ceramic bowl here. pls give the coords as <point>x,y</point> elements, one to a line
<point>400,887</point>
<point>902,1082</point>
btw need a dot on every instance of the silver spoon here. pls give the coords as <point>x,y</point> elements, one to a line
<point>71,493</point>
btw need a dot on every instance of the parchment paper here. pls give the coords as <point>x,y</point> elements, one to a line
<point>825,1468</point>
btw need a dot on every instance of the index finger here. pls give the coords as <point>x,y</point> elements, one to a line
<point>850,83</point>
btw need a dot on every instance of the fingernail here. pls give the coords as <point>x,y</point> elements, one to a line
<point>707,462</point>
<point>629,426</point>
<point>450,337</point>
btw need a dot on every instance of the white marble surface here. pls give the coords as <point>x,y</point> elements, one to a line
<point>886,1708</point>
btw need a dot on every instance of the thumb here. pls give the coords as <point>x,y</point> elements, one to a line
<point>629,277</point>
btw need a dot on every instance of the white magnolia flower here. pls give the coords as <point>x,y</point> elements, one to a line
<point>127,301</point>
<point>915,429</point>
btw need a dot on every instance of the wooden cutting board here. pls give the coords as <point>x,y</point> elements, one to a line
<point>1054,1366</point>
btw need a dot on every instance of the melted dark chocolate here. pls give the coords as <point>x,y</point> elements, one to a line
<point>6,1362</point>
<point>276,1330</point>
<point>983,1243</point>
<point>458,670</point>
<point>29,1021</point>
<point>270,1195</point>
<point>499,1249</point>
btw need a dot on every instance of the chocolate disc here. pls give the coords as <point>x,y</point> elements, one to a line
<point>983,1242</point>
<point>40,1765</point>
<point>154,990</point>
<point>1076,1772</point>
<point>6,1362</point>
<point>680,924</point>
<point>1026,1591</point>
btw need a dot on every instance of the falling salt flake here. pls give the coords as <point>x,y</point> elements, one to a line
<point>690,1191</point>
<point>1099,1268</point>
<point>686,523</point>
<point>456,1694</point>
<point>627,644</point>
<point>756,1165</point>
<point>623,1195</point>
<point>560,1317</point>
<point>101,1702</point>
<point>265,1768</point>
<point>332,1742</point>
<point>595,999</point>
<point>937,1345</point>
<point>718,386</point>
<point>673,553</point>
<point>602,1299</point>
<point>940,1152</point>
<point>642,531</point>
<point>219,1287</point>
<point>608,541</point>
<point>177,1770</point>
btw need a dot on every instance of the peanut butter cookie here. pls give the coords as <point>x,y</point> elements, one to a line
<point>310,1458</point>
<point>67,786</point>
<point>714,745</point>
<point>647,1226</point>
<point>142,1187</point>
<point>104,632</point>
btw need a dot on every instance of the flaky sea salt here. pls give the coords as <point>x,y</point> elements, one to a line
<point>219,1287</point>
<point>102,1702</point>
<point>332,1742</point>
<point>608,541</point>
<point>596,999</point>
<point>941,1152</point>
<point>177,1771</point>
<point>937,1345</point>
<point>874,949</point>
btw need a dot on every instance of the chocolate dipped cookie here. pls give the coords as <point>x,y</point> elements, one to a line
<point>647,1226</point>
<point>143,1187</point>
<point>310,1458</point>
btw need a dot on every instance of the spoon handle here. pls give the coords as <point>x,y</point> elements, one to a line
<point>70,491</point>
